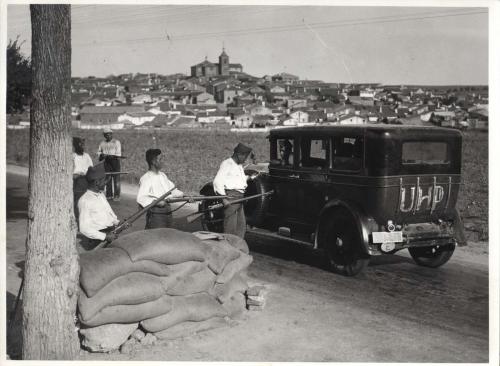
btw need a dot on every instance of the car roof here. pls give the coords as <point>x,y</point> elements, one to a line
<point>327,129</point>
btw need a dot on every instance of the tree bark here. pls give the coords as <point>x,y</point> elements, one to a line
<point>51,268</point>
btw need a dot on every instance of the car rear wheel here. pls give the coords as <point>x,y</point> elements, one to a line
<point>434,256</point>
<point>342,245</point>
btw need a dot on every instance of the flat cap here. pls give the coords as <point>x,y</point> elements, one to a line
<point>242,149</point>
<point>107,130</point>
<point>96,172</point>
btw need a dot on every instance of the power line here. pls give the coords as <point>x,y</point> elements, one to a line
<point>295,27</point>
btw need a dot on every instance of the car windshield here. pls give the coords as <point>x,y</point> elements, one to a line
<point>425,152</point>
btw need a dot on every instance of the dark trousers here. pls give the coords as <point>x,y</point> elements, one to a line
<point>159,217</point>
<point>234,216</point>
<point>80,185</point>
<point>113,182</point>
<point>89,244</point>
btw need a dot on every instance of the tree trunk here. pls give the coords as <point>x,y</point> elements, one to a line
<point>51,268</point>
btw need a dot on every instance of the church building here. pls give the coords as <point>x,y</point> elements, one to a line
<point>223,67</point>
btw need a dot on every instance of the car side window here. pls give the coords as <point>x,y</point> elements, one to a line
<point>347,152</point>
<point>314,153</point>
<point>282,153</point>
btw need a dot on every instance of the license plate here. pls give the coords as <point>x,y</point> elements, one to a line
<point>387,237</point>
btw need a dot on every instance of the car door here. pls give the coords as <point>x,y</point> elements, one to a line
<point>313,168</point>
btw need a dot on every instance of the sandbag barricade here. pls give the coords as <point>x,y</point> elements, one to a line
<point>172,283</point>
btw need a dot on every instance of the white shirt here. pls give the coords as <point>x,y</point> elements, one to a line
<point>230,176</point>
<point>113,147</point>
<point>82,163</point>
<point>95,214</point>
<point>153,185</point>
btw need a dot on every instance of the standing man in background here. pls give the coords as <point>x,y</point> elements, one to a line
<point>110,150</point>
<point>153,185</point>
<point>81,163</point>
<point>232,181</point>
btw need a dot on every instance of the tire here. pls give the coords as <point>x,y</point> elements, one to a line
<point>214,220</point>
<point>433,256</point>
<point>342,244</point>
<point>256,209</point>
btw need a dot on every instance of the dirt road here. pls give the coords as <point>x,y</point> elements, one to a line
<point>394,312</point>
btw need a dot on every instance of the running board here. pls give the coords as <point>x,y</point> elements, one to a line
<point>270,234</point>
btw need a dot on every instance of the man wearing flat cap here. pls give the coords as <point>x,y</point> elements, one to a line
<point>110,151</point>
<point>153,185</point>
<point>232,181</point>
<point>97,218</point>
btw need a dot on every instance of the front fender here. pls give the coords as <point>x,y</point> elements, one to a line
<point>364,223</point>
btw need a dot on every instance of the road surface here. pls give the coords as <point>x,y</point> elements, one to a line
<point>394,312</point>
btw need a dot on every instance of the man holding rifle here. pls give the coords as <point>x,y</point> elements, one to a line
<point>152,185</point>
<point>110,150</point>
<point>232,181</point>
<point>97,219</point>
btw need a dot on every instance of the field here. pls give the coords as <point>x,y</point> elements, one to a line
<point>191,159</point>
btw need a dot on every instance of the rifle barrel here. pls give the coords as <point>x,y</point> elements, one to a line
<point>194,198</point>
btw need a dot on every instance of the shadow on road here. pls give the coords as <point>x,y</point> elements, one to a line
<point>288,251</point>
<point>14,332</point>
<point>16,204</point>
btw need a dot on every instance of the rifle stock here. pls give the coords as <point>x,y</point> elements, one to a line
<point>131,219</point>
<point>194,216</point>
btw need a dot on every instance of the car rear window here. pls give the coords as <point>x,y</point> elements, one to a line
<point>425,152</point>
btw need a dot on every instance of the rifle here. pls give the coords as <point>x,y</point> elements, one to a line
<point>194,198</point>
<point>116,173</point>
<point>194,216</point>
<point>112,156</point>
<point>130,220</point>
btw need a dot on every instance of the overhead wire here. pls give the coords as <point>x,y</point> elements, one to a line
<point>276,29</point>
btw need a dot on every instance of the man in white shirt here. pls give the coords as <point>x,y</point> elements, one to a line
<point>152,185</point>
<point>97,218</point>
<point>110,150</point>
<point>232,181</point>
<point>82,162</point>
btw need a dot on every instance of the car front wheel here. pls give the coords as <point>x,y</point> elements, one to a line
<point>434,256</point>
<point>342,245</point>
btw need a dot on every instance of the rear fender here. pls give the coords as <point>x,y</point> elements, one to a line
<point>364,223</point>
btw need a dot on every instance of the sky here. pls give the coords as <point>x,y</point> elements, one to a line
<point>389,45</point>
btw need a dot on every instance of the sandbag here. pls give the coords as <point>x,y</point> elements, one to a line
<point>196,308</point>
<point>235,305</point>
<point>234,267</point>
<point>223,292</point>
<point>234,240</point>
<point>219,254</point>
<point>201,281</point>
<point>190,328</point>
<point>106,338</point>
<point>168,246</point>
<point>129,289</point>
<point>130,313</point>
<point>99,267</point>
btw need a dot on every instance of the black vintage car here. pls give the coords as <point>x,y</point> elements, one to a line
<point>355,191</point>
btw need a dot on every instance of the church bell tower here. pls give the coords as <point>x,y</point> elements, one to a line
<point>223,63</point>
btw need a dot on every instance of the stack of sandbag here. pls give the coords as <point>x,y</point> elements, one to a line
<point>170,282</point>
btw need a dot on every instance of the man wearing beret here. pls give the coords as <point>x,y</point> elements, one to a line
<point>153,185</point>
<point>232,181</point>
<point>110,150</point>
<point>97,218</point>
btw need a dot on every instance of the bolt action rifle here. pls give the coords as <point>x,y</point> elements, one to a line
<point>125,224</point>
<point>194,216</point>
<point>194,198</point>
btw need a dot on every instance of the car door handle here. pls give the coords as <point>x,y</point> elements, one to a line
<point>293,176</point>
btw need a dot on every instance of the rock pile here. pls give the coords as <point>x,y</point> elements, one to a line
<point>171,283</point>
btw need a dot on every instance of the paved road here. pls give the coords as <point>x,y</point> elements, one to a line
<point>394,312</point>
